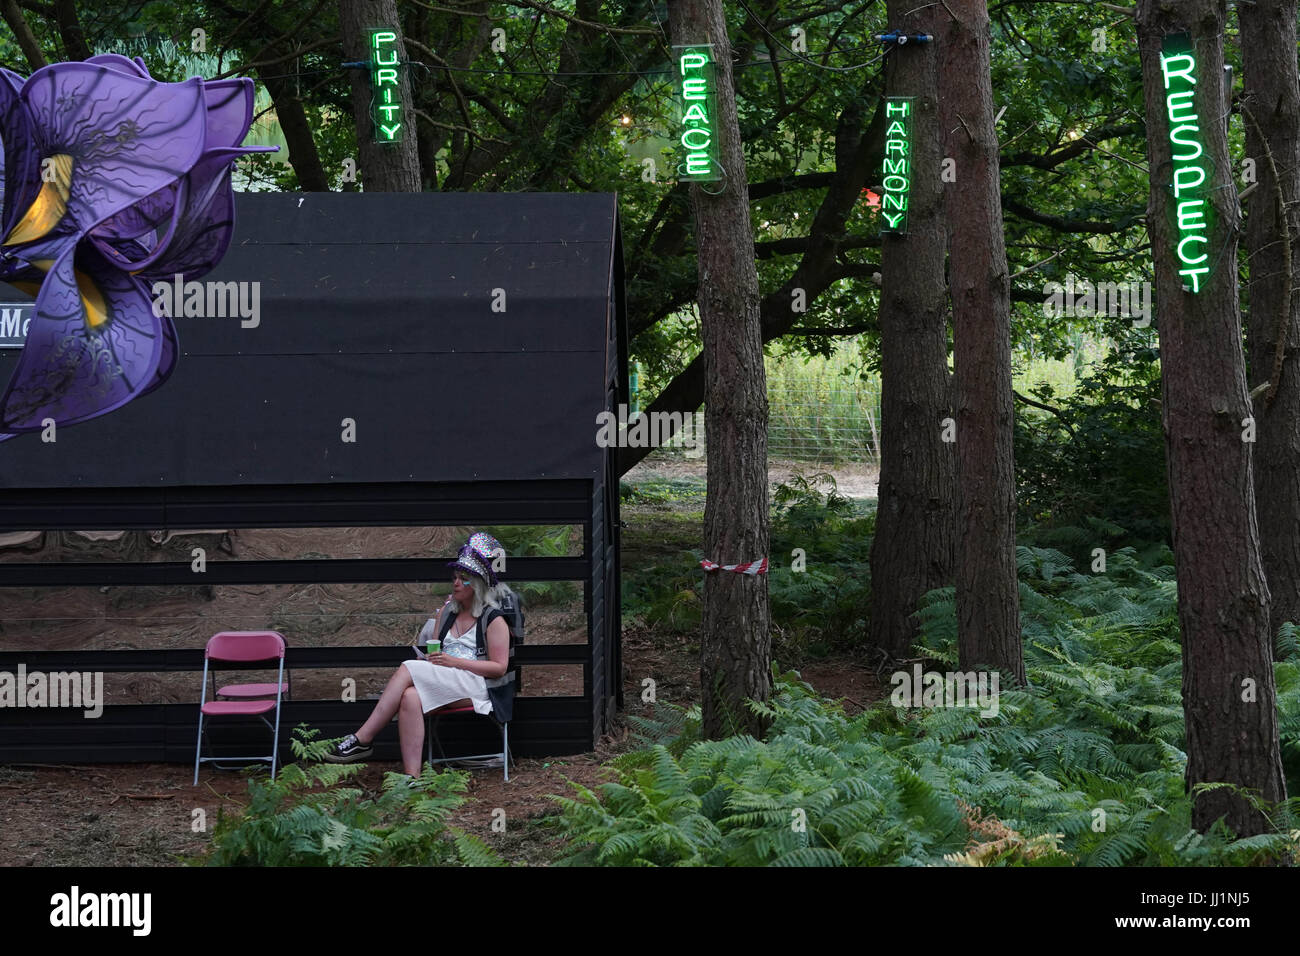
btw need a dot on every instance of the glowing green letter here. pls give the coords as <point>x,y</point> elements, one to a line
<point>695,63</point>
<point>386,106</point>
<point>1191,172</point>
<point>897,168</point>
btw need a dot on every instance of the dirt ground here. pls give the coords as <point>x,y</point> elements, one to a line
<point>852,480</point>
<point>146,814</point>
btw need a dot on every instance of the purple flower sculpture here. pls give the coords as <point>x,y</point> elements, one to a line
<point>111,180</point>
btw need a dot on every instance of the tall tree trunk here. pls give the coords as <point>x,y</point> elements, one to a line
<point>1271,108</point>
<point>735,646</point>
<point>303,155</point>
<point>13,16</point>
<point>1228,695</point>
<point>428,138</point>
<point>70,32</point>
<point>988,596</point>
<point>383,167</point>
<point>913,549</point>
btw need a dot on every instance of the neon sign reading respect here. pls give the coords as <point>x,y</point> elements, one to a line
<point>1191,172</point>
<point>698,137</point>
<point>386,108</point>
<point>898,164</point>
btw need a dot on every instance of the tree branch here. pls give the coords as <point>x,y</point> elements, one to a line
<point>834,331</point>
<point>1078,147</point>
<point>635,31</point>
<point>1061,224</point>
<point>455,87</point>
<point>1047,408</point>
<point>789,184</point>
<point>498,114</point>
<point>796,244</point>
<point>275,61</point>
<point>23,31</point>
<point>452,126</point>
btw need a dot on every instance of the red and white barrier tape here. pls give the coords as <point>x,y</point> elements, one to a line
<point>752,567</point>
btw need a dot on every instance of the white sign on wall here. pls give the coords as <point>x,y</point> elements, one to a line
<point>15,317</point>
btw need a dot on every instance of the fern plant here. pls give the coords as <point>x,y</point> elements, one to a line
<point>307,816</point>
<point>812,794</point>
<point>1085,766</point>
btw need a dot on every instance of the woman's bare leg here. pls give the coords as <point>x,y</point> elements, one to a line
<point>410,730</point>
<point>387,706</point>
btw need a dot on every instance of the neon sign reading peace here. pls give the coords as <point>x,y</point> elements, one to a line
<point>699,136</point>
<point>898,164</point>
<point>386,107</point>
<point>1191,167</point>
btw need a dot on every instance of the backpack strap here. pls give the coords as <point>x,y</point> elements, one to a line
<point>480,634</point>
<point>501,691</point>
<point>446,623</point>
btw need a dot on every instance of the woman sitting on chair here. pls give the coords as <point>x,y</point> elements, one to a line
<point>453,677</point>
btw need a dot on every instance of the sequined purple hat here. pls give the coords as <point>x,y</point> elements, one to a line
<point>476,557</point>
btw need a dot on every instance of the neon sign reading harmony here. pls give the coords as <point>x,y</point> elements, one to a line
<point>699,136</point>
<point>898,164</point>
<point>1190,164</point>
<point>386,108</point>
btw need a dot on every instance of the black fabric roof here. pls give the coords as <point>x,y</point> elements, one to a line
<point>377,308</point>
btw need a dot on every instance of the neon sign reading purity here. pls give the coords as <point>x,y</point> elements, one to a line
<point>386,108</point>
<point>898,164</point>
<point>698,137</point>
<point>1191,167</point>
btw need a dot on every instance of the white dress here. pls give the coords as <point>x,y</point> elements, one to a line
<point>438,685</point>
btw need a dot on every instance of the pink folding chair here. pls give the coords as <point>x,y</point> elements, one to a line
<point>242,647</point>
<point>254,691</point>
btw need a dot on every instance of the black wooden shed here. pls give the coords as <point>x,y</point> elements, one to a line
<point>389,310</point>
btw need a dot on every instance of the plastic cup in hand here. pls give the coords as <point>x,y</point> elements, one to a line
<point>434,647</point>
